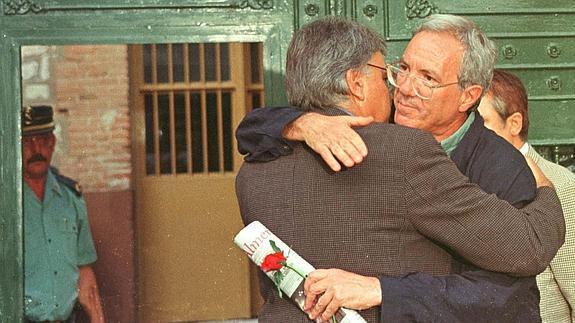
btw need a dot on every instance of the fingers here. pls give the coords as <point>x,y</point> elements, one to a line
<point>310,300</point>
<point>339,288</point>
<point>344,151</point>
<point>350,140</point>
<point>311,297</point>
<point>353,146</point>
<point>320,307</point>
<point>330,310</point>
<point>327,156</point>
<point>313,277</point>
<point>359,121</point>
<point>353,137</point>
<point>332,138</point>
<point>540,178</point>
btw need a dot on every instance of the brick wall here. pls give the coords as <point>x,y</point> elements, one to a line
<point>88,87</point>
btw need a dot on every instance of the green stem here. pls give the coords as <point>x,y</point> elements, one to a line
<point>292,268</point>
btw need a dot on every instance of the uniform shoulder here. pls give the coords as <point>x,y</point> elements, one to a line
<point>69,183</point>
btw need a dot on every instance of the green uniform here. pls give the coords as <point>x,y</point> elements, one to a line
<point>57,240</point>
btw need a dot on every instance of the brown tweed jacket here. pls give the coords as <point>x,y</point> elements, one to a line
<point>390,215</point>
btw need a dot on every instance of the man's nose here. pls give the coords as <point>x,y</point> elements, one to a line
<point>37,144</point>
<point>406,86</point>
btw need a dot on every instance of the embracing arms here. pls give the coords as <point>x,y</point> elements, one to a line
<point>468,231</point>
<point>265,134</point>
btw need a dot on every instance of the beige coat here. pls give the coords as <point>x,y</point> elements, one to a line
<point>557,283</point>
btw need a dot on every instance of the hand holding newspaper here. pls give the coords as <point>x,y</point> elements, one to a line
<point>259,242</point>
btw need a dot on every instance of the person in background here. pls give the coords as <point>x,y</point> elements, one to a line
<point>58,246</point>
<point>505,111</point>
<point>444,71</point>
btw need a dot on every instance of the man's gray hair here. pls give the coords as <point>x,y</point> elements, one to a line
<point>320,54</point>
<point>480,53</point>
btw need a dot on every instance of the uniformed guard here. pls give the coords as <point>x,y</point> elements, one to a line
<point>57,239</point>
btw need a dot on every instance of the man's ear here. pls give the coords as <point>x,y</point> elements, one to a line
<point>469,97</point>
<point>356,84</point>
<point>514,123</point>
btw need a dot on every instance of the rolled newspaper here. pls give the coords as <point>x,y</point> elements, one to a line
<point>255,239</point>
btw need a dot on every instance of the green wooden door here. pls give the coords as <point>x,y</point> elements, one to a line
<point>536,40</point>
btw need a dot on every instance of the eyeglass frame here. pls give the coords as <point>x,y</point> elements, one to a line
<point>389,68</point>
<point>381,68</point>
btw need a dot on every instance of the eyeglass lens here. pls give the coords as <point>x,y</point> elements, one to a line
<point>397,77</point>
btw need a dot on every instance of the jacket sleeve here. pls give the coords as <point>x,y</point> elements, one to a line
<point>492,297</point>
<point>259,134</point>
<point>486,231</point>
<point>562,265</point>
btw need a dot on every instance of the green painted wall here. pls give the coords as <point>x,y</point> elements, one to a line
<point>536,40</point>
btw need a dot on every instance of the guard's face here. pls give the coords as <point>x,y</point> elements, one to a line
<point>37,153</point>
<point>434,57</point>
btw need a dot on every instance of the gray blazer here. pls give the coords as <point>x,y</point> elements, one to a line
<point>391,214</point>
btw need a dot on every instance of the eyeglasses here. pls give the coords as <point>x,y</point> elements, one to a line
<point>421,87</point>
<point>384,69</point>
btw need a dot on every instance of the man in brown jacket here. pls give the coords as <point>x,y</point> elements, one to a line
<point>388,215</point>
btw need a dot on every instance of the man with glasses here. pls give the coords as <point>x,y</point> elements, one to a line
<point>57,240</point>
<point>438,82</point>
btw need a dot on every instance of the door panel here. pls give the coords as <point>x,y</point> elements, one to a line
<point>189,99</point>
<point>189,268</point>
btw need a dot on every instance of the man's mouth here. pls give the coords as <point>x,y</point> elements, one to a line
<point>405,105</point>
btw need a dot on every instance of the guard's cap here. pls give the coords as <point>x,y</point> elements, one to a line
<point>37,119</point>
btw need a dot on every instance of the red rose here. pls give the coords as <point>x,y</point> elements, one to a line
<point>273,261</point>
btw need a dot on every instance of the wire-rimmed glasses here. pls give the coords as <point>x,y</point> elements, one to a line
<point>421,87</point>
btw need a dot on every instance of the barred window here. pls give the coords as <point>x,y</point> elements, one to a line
<point>191,93</point>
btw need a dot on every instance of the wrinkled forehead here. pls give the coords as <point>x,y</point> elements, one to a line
<point>44,139</point>
<point>435,51</point>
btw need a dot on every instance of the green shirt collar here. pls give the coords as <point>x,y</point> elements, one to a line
<point>450,143</point>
